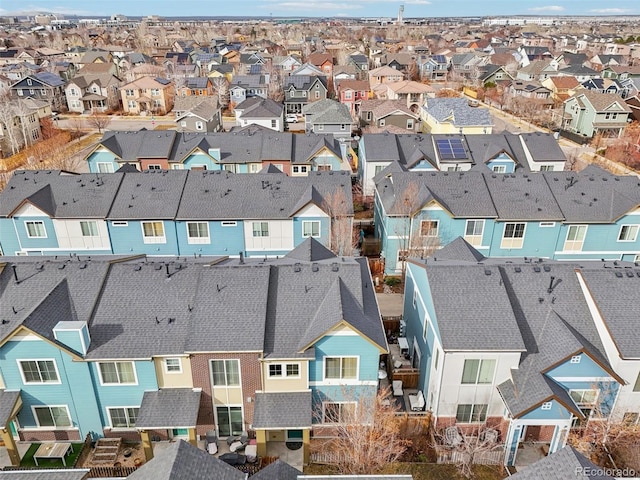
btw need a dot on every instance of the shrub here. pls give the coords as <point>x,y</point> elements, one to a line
<point>392,281</point>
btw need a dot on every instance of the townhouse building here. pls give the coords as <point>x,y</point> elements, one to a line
<point>587,215</point>
<point>169,348</point>
<point>170,212</point>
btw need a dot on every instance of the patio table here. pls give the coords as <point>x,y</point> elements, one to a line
<point>52,450</point>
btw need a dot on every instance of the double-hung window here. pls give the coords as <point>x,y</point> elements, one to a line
<point>471,413</point>
<point>279,370</point>
<point>429,228</point>
<point>260,229</point>
<point>123,417</point>
<point>341,368</point>
<point>338,412</point>
<point>198,232</point>
<point>513,236</point>
<point>39,371</point>
<point>311,228</point>
<point>89,228</point>
<point>473,232</point>
<point>172,365</point>
<point>225,373</point>
<point>628,233</point>
<point>117,373</point>
<point>478,371</point>
<point>52,416</point>
<point>153,232</point>
<point>35,229</point>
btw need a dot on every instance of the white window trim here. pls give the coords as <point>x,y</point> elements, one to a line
<point>324,409</point>
<point>166,367</point>
<point>55,427</point>
<point>511,242</point>
<point>36,221</point>
<point>575,242</point>
<point>546,406</point>
<point>135,375</point>
<point>229,224</point>
<point>94,222</point>
<point>198,240</point>
<point>55,366</point>
<point>312,235</point>
<point>575,359</point>
<point>283,366</point>
<point>108,409</point>
<point>475,240</point>
<point>437,223</point>
<point>154,239</point>
<point>119,224</point>
<point>108,164</point>
<point>339,381</point>
<point>635,237</point>
<point>226,385</point>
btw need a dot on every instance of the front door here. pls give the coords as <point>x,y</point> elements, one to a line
<point>180,433</point>
<point>229,421</point>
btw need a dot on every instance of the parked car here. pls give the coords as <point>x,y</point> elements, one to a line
<point>291,118</point>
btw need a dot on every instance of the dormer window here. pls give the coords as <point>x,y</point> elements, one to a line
<point>29,82</point>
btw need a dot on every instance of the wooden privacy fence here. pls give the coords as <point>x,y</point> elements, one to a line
<point>327,458</point>
<point>492,457</point>
<point>111,472</point>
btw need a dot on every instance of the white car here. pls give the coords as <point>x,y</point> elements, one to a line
<point>291,118</point>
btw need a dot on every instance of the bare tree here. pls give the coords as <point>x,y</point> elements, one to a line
<point>221,91</point>
<point>367,436</point>
<point>9,125</point>
<point>341,227</point>
<point>98,121</point>
<point>464,451</point>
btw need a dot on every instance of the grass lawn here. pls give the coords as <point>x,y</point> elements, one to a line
<point>27,460</point>
<point>423,471</point>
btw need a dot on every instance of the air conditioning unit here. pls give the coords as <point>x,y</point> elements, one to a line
<point>403,328</point>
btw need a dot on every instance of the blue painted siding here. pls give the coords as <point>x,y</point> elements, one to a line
<point>101,157</point>
<point>224,240</point>
<point>556,412</point>
<point>423,165</point>
<point>9,244</point>
<point>324,229</point>
<point>71,339</point>
<point>74,390</point>
<point>538,241</point>
<point>508,164</point>
<point>129,239</point>
<point>200,159</point>
<point>50,241</point>
<point>585,368</point>
<point>123,395</point>
<point>325,158</point>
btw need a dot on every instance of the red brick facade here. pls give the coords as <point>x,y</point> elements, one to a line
<point>250,378</point>
<point>49,435</point>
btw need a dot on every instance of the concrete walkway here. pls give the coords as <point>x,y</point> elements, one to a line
<point>4,456</point>
<point>390,304</point>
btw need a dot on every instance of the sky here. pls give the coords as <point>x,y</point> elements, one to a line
<point>321,8</point>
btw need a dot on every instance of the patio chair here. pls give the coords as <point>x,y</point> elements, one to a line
<point>211,442</point>
<point>452,436</point>
<point>417,401</point>
<point>397,388</point>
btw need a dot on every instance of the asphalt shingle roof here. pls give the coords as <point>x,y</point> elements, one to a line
<point>458,112</point>
<point>58,474</point>
<point>282,410</point>
<point>561,465</point>
<point>277,470</point>
<point>169,408</point>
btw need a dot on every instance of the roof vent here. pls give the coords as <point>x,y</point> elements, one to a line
<point>517,269</point>
<point>547,268</point>
<point>487,271</point>
<point>314,267</point>
<point>619,274</point>
<point>536,269</point>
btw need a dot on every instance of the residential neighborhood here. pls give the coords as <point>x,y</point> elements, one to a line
<point>375,242</point>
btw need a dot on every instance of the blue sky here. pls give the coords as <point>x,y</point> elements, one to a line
<point>353,8</point>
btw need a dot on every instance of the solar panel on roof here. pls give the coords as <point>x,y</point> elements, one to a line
<point>451,149</point>
<point>255,69</point>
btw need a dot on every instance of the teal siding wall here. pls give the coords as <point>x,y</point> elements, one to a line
<point>500,161</point>
<point>50,241</point>
<point>74,391</point>
<point>324,237</point>
<point>325,159</point>
<point>123,395</point>
<point>100,157</point>
<point>586,368</point>
<point>423,165</point>
<point>224,240</point>
<point>200,159</point>
<point>9,244</point>
<point>129,239</point>
<point>71,339</point>
<point>557,412</point>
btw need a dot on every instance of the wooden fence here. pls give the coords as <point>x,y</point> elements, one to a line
<point>327,458</point>
<point>493,457</point>
<point>111,472</point>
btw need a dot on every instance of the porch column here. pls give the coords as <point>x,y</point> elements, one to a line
<point>193,440</point>
<point>261,440</point>
<point>511,443</point>
<point>559,438</point>
<point>306,436</point>
<point>146,444</point>
<point>10,444</point>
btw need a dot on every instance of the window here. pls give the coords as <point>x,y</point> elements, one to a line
<point>229,224</point>
<point>183,124</point>
<point>478,371</point>
<point>575,237</point>
<point>293,370</point>
<point>39,371</point>
<point>320,127</point>
<point>155,92</point>
<point>469,413</point>
<point>35,229</point>
<point>123,417</point>
<point>584,397</point>
<point>154,166</point>
<point>576,359</point>
<point>381,122</point>
<point>172,365</point>
<point>132,104</point>
<point>117,373</point>
<point>628,233</point>
<point>429,228</point>
<point>513,236</point>
<point>128,93</point>
<point>333,412</point>
<point>546,406</point>
<point>229,421</point>
<point>153,232</point>
<point>55,416</point>
<point>199,126</point>
<point>410,124</point>
<point>547,224</point>
<point>636,386</point>
<point>317,94</point>
<point>311,229</point>
<point>300,169</point>
<point>546,168</point>
<point>105,167</point>
<point>119,224</point>
<point>340,368</point>
<point>287,370</point>
<point>347,95</point>
<point>260,229</point>
<point>29,81</point>
<point>89,228</point>
<point>274,123</point>
<point>343,127</point>
<point>473,232</point>
<point>275,370</point>
<point>610,116</point>
<point>198,232</point>
<point>225,373</point>
<point>378,169</point>
<point>499,168</point>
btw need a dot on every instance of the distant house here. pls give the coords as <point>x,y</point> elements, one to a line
<point>328,117</point>
<point>353,92</point>
<point>260,111</point>
<point>433,67</point>
<point>324,61</point>
<point>589,113</point>
<point>379,115</point>
<point>532,90</point>
<point>299,90</point>
<point>412,93</point>
<point>148,95</point>
<point>454,115</point>
<point>41,86</point>
<point>197,86</point>
<point>384,74</point>
<point>246,86</point>
<point>97,93</point>
<point>201,115</point>
<point>561,87</point>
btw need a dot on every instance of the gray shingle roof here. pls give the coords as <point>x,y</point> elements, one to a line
<point>282,410</point>
<point>184,461</point>
<point>169,408</point>
<point>257,107</point>
<point>57,474</point>
<point>561,465</point>
<point>327,111</point>
<point>277,470</point>
<point>8,402</point>
<point>458,112</point>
